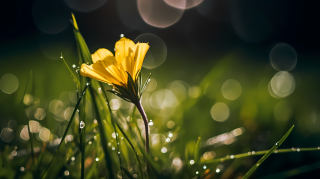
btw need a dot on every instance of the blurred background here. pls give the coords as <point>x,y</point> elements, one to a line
<point>238,74</point>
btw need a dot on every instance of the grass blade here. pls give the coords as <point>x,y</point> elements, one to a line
<point>66,131</point>
<point>29,82</point>
<point>247,175</point>
<point>120,128</point>
<point>255,153</point>
<point>74,76</point>
<point>102,131</point>
<point>197,150</point>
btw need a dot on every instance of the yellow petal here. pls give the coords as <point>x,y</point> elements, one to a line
<point>98,72</point>
<point>103,54</point>
<point>123,47</point>
<point>128,62</point>
<point>116,72</point>
<point>140,53</point>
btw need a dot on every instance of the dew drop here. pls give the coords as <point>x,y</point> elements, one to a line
<point>82,124</point>
<point>253,152</point>
<point>114,49</point>
<point>74,66</point>
<point>118,152</point>
<point>231,156</point>
<point>88,84</point>
<point>77,70</point>
<point>298,150</point>
<point>258,164</point>
<point>277,144</point>
<point>121,35</point>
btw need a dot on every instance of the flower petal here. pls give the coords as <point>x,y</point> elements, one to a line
<point>103,54</point>
<point>112,71</point>
<point>140,53</point>
<point>99,72</point>
<point>128,62</point>
<point>123,47</point>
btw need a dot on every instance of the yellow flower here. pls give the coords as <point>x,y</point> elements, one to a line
<point>114,70</point>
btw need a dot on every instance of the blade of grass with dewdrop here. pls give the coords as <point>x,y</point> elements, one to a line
<point>256,153</point>
<point>120,128</point>
<point>74,76</point>
<point>103,134</point>
<point>293,172</point>
<point>267,154</point>
<point>66,131</point>
<point>29,82</point>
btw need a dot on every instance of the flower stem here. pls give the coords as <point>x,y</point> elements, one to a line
<point>146,125</point>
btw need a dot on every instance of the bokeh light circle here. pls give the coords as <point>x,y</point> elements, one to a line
<point>283,57</point>
<point>231,89</point>
<point>39,113</point>
<point>9,83</point>
<point>283,84</point>
<point>180,89</point>
<point>152,85</point>
<point>157,52</point>
<point>28,99</point>
<point>44,134</point>
<point>85,5</point>
<point>220,112</point>
<point>50,16</point>
<point>55,106</point>
<point>163,99</point>
<point>115,104</point>
<point>159,14</point>
<point>183,4</point>
<point>7,135</point>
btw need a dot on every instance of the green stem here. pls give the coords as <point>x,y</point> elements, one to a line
<point>113,123</point>
<point>146,125</point>
<point>66,131</point>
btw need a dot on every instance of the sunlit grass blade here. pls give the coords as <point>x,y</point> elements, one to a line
<point>84,53</point>
<point>120,128</point>
<point>197,151</point>
<point>267,154</point>
<point>103,134</point>
<point>74,76</point>
<point>293,172</point>
<point>68,126</point>
<point>126,172</point>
